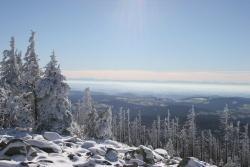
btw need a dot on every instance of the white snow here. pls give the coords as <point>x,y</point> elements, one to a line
<point>72,152</point>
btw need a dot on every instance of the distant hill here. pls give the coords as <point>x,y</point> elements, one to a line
<point>207,108</point>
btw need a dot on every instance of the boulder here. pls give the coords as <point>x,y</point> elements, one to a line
<point>137,162</point>
<point>72,139</point>
<point>88,144</point>
<point>97,151</point>
<point>17,147</point>
<point>14,147</point>
<point>162,152</point>
<point>111,155</point>
<point>73,157</point>
<point>191,162</point>
<point>6,138</point>
<point>142,153</point>
<point>157,157</point>
<point>47,146</point>
<point>2,144</point>
<point>90,162</point>
<point>102,162</point>
<point>113,143</point>
<point>170,161</point>
<point>5,163</point>
<point>37,137</point>
<point>52,136</point>
<point>146,153</point>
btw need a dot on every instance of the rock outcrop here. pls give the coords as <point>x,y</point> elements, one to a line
<point>51,149</point>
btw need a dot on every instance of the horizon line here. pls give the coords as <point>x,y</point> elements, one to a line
<point>161,76</point>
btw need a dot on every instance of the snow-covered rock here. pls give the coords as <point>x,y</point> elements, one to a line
<point>6,163</point>
<point>53,150</point>
<point>194,162</point>
<point>38,137</point>
<point>88,144</point>
<point>162,152</point>
<point>14,147</point>
<point>97,150</point>
<point>111,155</point>
<point>51,136</point>
<point>142,153</point>
<point>45,145</point>
<point>113,143</point>
<point>18,150</point>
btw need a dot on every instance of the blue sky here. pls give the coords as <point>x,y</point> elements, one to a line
<point>133,35</point>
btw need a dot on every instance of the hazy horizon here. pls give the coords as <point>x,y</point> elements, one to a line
<point>168,89</point>
<point>225,77</point>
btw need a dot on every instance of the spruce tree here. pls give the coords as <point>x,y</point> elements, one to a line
<point>31,74</point>
<point>104,124</point>
<point>191,129</point>
<point>90,125</point>
<point>10,68</point>
<point>4,114</point>
<point>170,148</point>
<point>54,106</point>
<point>14,111</point>
<point>85,107</point>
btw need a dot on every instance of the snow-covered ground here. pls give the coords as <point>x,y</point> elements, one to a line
<point>22,149</point>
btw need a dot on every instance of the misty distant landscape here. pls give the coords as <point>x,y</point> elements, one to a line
<point>175,90</point>
<point>208,100</point>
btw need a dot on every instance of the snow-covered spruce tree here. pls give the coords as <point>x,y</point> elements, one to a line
<point>245,154</point>
<point>230,163</point>
<point>15,113</point>
<point>128,127</point>
<point>154,134</point>
<point>139,129</point>
<point>76,130</point>
<point>85,107</point>
<point>94,124</point>
<point>90,125</point>
<point>158,131</point>
<point>104,124</point>
<point>4,112</point>
<point>237,142</point>
<point>31,74</point>
<point>202,145</point>
<point>166,128</point>
<point>114,128</point>
<point>170,148</point>
<point>124,126</point>
<point>22,112</point>
<point>75,108</point>
<point>10,68</point>
<point>184,143</point>
<point>224,121</point>
<point>120,125</point>
<point>191,129</point>
<point>165,131</point>
<point>176,135</point>
<point>53,105</point>
<point>211,144</point>
<point>17,109</point>
<point>87,100</point>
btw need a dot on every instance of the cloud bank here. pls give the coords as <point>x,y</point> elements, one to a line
<point>158,76</point>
